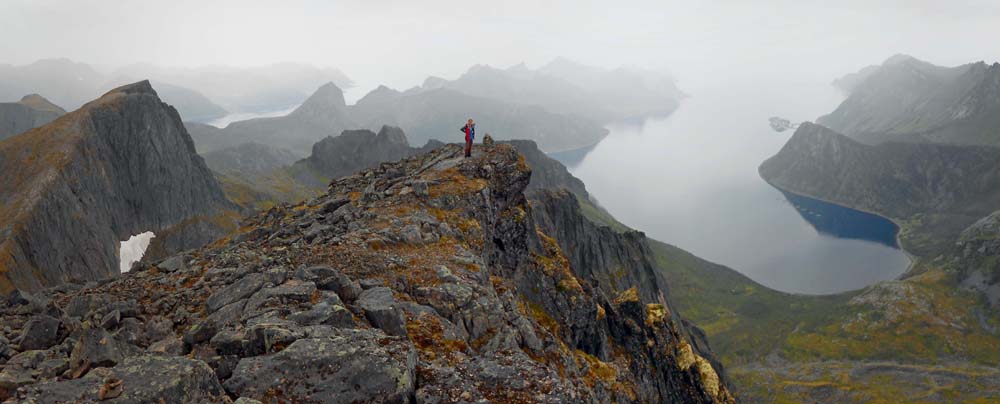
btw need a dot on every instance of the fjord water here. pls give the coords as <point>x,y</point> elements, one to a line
<point>691,180</point>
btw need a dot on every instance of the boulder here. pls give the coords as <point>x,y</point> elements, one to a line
<point>41,332</point>
<point>98,348</point>
<point>242,289</point>
<point>380,309</point>
<point>345,287</point>
<point>140,380</point>
<point>350,366</point>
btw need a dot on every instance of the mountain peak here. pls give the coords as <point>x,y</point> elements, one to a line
<point>326,94</point>
<point>325,101</point>
<point>139,87</point>
<point>40,103</point>
<point>379,94</point>
<point>392,134</point>
<point>898,59</point>
<point>118,166</point>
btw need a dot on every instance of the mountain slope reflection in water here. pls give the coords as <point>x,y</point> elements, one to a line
<point>691,180</point>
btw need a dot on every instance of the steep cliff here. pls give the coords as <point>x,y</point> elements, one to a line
<point>546,172</point>
<point>31,112</point>
<point>422,280</point>
<point>71,190</point>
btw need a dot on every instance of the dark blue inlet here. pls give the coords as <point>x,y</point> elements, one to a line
<point>839,221</point>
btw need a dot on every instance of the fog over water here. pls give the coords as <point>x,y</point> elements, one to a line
<point>691,180</point>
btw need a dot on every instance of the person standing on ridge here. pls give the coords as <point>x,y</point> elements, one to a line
<point>470,135</point>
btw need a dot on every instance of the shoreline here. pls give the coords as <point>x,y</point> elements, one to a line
<point>912,258</point>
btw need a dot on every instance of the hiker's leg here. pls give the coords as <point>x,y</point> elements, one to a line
<point>468,148</point>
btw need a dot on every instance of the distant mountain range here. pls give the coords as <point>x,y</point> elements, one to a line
<point>245,89</point>
<point>909,100</point>
<point>425,115</point>
<point>199,94</point>
<point>561,106</point>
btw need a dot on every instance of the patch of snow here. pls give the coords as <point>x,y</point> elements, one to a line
<point>132,249</point>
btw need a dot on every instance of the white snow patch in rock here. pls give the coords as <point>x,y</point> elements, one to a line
<point>132,249</point>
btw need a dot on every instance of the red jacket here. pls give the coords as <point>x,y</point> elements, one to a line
<point>470,132</point>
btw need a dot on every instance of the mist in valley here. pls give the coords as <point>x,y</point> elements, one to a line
<point>813,261</point>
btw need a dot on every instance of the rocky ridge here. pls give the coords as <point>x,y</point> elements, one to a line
<point>121,165</point>
<point>423,280</point>
<point>909,100</point>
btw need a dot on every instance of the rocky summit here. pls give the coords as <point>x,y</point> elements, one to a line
<point>72,189</point>
<point>425,280</point>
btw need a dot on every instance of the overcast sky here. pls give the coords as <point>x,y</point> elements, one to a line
<point>400,42</point>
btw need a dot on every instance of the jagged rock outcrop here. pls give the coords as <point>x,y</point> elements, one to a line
<point>71,190</point>
<point>423,280</point>
<point>351,151</point>
<point>909,100</point>
<point>324,113</point>
<point>31,112</point>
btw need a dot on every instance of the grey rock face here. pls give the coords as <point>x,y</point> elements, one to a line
<point>598,252</point>
<point>347,366</point>
<point>29,113</point>
<point>380,308</point>
<point>72,189</point>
